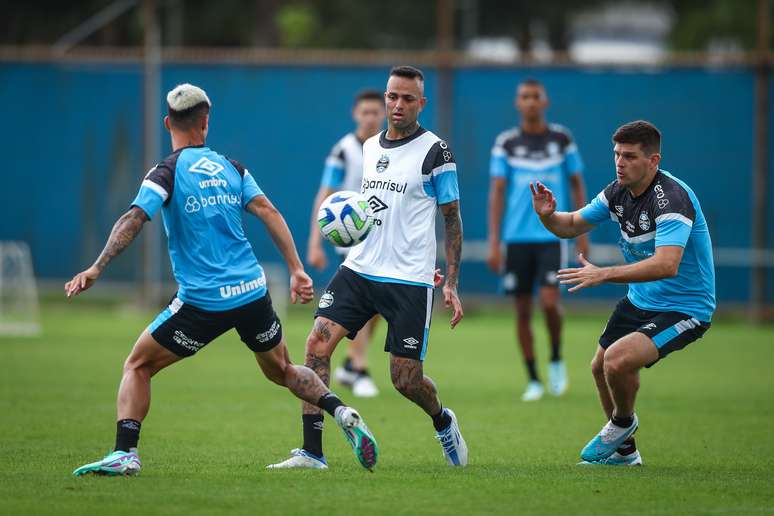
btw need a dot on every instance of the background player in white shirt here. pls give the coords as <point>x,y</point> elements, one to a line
<point>408,172</point>
<point>344,171</point>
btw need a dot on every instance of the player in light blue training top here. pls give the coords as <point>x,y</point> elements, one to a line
<point>533,151</point>
<point>670,272</point>
<point>221,286</point>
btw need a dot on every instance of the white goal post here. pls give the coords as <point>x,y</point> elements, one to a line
<point>19,307</point>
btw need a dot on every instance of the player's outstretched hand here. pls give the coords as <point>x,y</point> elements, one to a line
<point>82,281</point>
<point>301,287</point>
<point>587,276</point>
<point>438,278</point>
<point>316,257</point>
<point>543,200</point>
<point>452,300</point>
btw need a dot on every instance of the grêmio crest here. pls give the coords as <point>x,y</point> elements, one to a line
<point>383,163</point>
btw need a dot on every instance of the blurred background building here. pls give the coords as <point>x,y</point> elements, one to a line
<point>82,85</point>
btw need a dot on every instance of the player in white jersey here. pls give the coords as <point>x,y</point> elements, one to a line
<point>408,172</point>
<point>344,171</point>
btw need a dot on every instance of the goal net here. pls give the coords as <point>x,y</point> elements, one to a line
<point>19,309</point>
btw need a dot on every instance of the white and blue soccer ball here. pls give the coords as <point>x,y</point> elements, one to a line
<point>345,218</point>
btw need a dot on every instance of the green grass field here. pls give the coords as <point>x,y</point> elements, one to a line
<point>706,414</point>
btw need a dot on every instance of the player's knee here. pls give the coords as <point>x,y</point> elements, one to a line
<point>404,384</point>
<point>138,365</point>
<point>615,363</point>
<point>597,367</point>
<point>316,344</point>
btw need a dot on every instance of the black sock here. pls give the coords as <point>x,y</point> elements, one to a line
<point>313,430</point>
<point>531,369</point>
<point>556,354</point>
<point>622,422</point>
<point>329,402</point>
<point>348,365</point>
<point>627,447</point>
<point>127,434</point>
<point>441,420</point>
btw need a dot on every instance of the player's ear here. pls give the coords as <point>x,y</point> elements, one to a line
<point>166,123</point>
<point>655,159</point>
<point>422,103</point>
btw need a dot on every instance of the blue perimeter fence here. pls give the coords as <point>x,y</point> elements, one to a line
<point>72,148</point>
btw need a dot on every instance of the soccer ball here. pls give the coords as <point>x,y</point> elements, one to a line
<point>345,218</point>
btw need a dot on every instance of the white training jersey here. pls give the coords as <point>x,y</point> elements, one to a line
<point>404,181</point>
<point>344,169</point>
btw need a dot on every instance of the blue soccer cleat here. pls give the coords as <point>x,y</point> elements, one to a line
<point>114,464</point>
<point>454,447</point>
<point>607,441</point>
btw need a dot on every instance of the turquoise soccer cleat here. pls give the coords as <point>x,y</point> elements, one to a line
<point>616,459</point>
<point>607,441</point>
<point>115,463</point>
<point>357,433</point>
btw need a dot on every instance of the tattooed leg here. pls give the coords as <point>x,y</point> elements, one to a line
<point>300,380</point>
<point>409,379</point>
<point>320,343</point>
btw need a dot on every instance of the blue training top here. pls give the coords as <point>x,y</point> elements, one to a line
<point>202,194</point>
<point>521,158</point>
<point>667,213</point>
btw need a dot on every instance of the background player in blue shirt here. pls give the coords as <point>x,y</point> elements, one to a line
<point>534,151</point>
<point>344,171</point>
<point>202,196</point>
<point>666,244</point>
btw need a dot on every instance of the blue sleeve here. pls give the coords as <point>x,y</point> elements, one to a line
<point>332,177</point>
<point>498,163</point>
<point>446,186</point>
<point>439,174</point>
<point>672,229</point>
<point>335,166</point>
<point>155,189</point>
<point>148,199</point>
<point>597,211</point>
<point>573,163</point>
<point>250,189</point>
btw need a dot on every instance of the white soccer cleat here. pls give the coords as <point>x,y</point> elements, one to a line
<point>557,378</point>
<point>455,450</point>
<point>345,377</point>
<point>533,392</point>
<point>364,387</point>
<point>300,458</point>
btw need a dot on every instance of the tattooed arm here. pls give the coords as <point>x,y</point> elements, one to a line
<point>453,232</point>
<point>124,232</point>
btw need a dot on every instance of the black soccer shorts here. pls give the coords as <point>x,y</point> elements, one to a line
<point>669,331</point>
<point>184,329</point>
<point>351,300</point>
<point>530,263</point>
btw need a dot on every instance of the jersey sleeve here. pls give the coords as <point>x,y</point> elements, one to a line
<point>335,165</point>
<point>439,174</point>
<point>155,189</point>
<point>598,210</point>
<point>250,188</point>
<point>498,162</point>
<point>573,163</point>
<point>674,215</point>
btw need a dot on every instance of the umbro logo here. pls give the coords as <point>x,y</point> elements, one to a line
<point>411,342</point>
<point>376,204</point>
<point>206,167</point>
